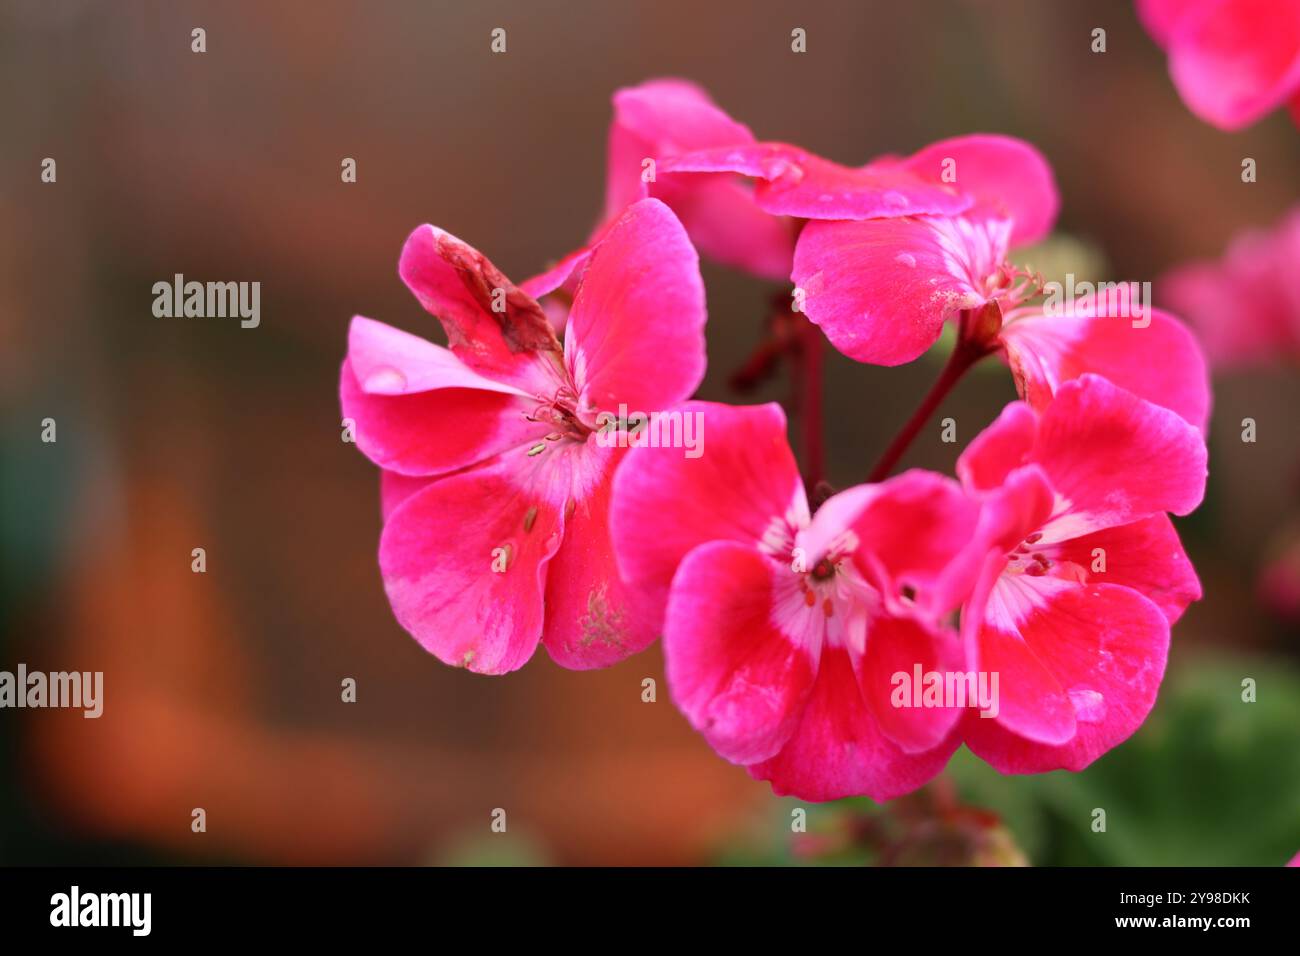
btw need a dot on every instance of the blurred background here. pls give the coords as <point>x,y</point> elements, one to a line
<point>223,689</point>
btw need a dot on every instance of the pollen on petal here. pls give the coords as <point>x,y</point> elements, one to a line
<point>602,624</point>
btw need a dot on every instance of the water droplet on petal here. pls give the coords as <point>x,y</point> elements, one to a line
<point>1089,706</point>
<point>907,259</point>
<point>386,380</point>
<point>896,199</point>
<point>782,172</point>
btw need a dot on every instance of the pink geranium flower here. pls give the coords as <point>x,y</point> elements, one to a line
<point>700,153</point>
<point>664,118</point>
<point>1233,61</point>
<point>1079,573</point>
<point>882,289</point>
<point>496,491</point>
<point>658,119</point>
<point>1246,305</point>
<point>783,629</point>
<point>790,181</point>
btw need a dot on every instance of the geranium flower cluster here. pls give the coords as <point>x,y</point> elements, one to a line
<point>791,616</point>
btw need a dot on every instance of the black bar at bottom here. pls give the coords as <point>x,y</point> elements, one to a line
<point>442,905</point>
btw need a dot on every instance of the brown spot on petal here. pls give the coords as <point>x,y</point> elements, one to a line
<point>601,624</point>
<point>524,325</point>
<point>530,518</point>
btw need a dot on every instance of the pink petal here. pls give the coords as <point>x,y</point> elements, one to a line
<point>999,449</point>
<point>794,182</point>
<point>739,680</point>
<point>1008,178</point>
<point>1115,458</point>
<point>593,618</point>
<point>1234,62</point>
<point>1009,512</point>
<point>562,275</point>
<point>395,488</point>
<point>636,329</point>
<point>838,749</point>
<point>743,488</point>
<point>1161,17</point>
<point>660,118</point>
<point>1145,556</point>
<point>434,432</point>
<point>899,645</point>
<point>909,528</point>
<point>882,289</point>
<point>1105,646</point>
<point>437,554</point>
<point>1032,703</point>
<point>388,361</point>
<point>1160,362</point>
<point>457,283</point>
<point>725,224</point>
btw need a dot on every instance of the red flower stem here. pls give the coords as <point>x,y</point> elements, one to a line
<point>966,353</point>
<point>811,356</point>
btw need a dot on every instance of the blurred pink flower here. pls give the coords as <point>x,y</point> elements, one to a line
<point>1279,583</point>
<point>1078,572</point>
<point>1233,61</point>
<point>783,629</point>
<point>1246,305</point>
<point>495,490</point>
